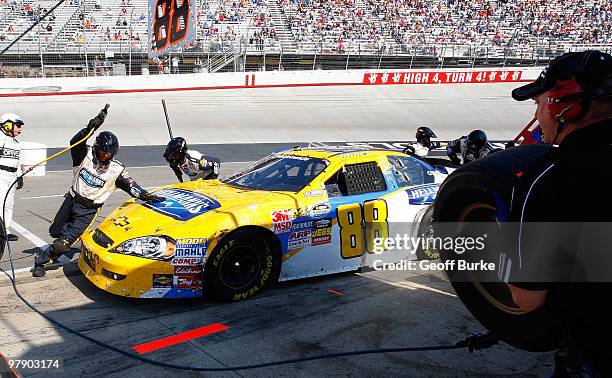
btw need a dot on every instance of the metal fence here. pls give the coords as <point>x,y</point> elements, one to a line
<point>93,59</point>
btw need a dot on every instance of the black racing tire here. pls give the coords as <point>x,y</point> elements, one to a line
<point>244,263</point>
<point>466,196</point>
<point>425,230</point>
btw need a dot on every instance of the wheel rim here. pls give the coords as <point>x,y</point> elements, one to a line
<point>496,293</point>
<point>240,267</point>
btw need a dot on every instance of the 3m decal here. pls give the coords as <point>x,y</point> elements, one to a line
<point>282,220</point>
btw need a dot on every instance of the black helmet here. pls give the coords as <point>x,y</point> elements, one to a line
<point>476,140</point>
<point>175,151</point>
<point>424,135</point>
<point>105,147</point>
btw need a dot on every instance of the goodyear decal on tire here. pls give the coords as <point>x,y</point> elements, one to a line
<point>182,204</point>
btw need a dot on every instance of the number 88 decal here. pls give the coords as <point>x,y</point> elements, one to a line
<point>353,232</point>
<point>170,22</point>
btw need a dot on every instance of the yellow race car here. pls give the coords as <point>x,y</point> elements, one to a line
<point>297,213</point>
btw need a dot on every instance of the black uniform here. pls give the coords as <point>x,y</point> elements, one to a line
<point>459,146</point>
<point>571,184</point>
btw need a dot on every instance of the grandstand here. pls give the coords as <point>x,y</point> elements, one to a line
<point>228,29</point>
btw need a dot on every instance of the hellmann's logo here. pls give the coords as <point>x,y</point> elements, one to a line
<point>91,179</point>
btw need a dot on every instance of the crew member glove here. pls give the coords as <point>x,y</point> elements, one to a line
<point>434,144</point>
<point>455,160</point>
<point>98,120</point>
<point>409,150</point>
<point>148,197</point>
<point>19,182</point>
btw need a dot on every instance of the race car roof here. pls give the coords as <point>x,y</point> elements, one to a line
<point>327,152</point>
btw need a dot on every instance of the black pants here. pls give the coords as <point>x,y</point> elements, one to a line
<point>71,220</point>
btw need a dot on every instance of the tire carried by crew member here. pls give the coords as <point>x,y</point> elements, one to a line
<point>481,192</point>
<point>244,263</point>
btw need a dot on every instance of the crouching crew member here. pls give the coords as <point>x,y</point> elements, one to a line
<point>423,144</point>
<point>471,147</point>
<point>96,175</point>
<point>190,162</point>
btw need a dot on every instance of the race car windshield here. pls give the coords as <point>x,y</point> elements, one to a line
<point>288,173</point>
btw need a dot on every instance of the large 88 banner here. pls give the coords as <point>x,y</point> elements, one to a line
<point>172,24</point>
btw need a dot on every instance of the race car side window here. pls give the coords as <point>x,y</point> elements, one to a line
<point>408,171</point>
<point>356,179</point>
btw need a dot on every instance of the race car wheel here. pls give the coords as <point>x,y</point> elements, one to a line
<point>244,263</point>
<point>425,251</point>
<point>466,197</point>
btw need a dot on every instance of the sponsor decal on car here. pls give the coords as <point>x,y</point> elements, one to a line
<point>191,247</point>
<point>422,194</point>
<point>315,193</point>
<point>162,280</point>
<point>322,223</point>
<point>282,220</point>
<point>182,204</point>
<point>326,239</point>
<point>299,235</point>
<point>186,261</point>
<point>188,270</point>
<point>301,225</point>
<point>188,281</point>
<point>298,243</point>
<point>319,209</point>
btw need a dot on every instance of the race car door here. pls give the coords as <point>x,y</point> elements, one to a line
<point>338,237</point>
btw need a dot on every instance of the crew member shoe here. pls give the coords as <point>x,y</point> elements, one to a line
<point>44,257</point>
<point>12,237</point>
<point>38,271</point>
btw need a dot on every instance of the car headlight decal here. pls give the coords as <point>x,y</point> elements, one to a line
<point>150,247</point>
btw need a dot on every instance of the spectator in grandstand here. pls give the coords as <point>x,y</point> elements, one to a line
<point>175,65</point>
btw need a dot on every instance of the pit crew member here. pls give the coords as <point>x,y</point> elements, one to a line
<point>471,147</point>
<point>423,144</point>
<point>96,175</point>
<point>10,152</point>
<point>573,98</point>
<point>193,164</point>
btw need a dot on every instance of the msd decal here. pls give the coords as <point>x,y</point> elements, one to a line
<point>181,204</point>
<point>282,220</point>
<point>422,194</point>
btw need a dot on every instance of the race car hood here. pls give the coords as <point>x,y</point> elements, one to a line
<point>188,203</point>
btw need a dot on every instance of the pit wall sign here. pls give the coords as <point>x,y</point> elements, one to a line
<point>171,25</point>
<point>438,77</point>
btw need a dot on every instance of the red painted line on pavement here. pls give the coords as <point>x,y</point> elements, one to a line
<point>179,338</point>
<point>334,292</point>
<point>152,90</point>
